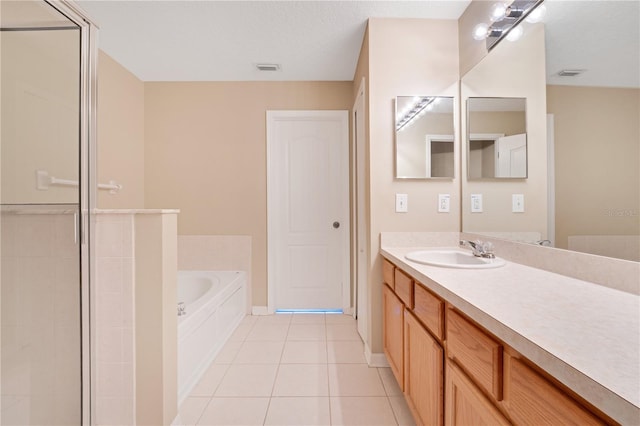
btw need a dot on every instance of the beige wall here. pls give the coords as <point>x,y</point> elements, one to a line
<point>512,70</point>
<point>120,134</point>
<point>405,56</point>
<point>205,154</point>
<point>40,115</point>
<point>597,150</point>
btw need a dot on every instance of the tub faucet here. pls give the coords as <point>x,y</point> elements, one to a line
<point>479,248</point>
<point>181,309</point>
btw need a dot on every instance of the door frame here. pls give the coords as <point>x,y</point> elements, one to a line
<point>359,217</point>
<point>273,208</point>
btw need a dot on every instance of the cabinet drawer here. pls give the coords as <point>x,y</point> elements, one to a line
<point>404,287</point>
<point>477,353</point>
<point>429,309</point>
<point>387,273</point>
<point>531,399</point>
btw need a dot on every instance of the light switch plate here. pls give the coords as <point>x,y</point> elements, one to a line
<point>401,203</point>
<point>444,201</point>
<point>517,203</point>
<point>476,203</point>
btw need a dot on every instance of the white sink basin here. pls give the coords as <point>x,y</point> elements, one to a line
<point>453,258</point>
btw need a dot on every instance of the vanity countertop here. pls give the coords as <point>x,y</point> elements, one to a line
<point>586,335</point>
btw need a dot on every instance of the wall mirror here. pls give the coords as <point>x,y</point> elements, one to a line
<point>424,137</point>
<point>588,177</point>
<point>496,132</point>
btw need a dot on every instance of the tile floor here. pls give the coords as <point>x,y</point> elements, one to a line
<point>295,369</point>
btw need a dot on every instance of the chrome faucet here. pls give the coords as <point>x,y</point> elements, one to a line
<point>479,248</point>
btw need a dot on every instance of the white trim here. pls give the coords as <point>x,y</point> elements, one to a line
<point>378,359</point>
<point>260,310</point>
<point>551,180</point>
<point>271,117</point>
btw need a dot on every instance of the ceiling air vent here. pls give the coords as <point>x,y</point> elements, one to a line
<point>570,73</point>
<point>268,67</point>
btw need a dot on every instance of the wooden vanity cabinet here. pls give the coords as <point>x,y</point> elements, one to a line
<point>423,373</point>
<point>531,399</point>
<point>476,352</point>
<point>392,332</point>
<point>465,404</point>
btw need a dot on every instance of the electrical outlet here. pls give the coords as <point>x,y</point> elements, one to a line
<point>401,203</point>
<point>517,201</point>
<point>476,203</point>
<point>444,201</point>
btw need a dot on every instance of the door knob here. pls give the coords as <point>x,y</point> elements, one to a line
<point>336,224</point>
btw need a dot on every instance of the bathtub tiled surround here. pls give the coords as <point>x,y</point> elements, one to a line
<point>216,253</point>
<point>295,369</point>
<point>135,323</point>
<point>40,364</point>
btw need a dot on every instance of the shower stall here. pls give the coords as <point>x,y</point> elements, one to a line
<point>47,81</point>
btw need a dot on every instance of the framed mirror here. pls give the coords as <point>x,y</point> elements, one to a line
<point>497,136</point>
<point>424,137</point>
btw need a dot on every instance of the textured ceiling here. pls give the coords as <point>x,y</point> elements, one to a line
<point>207,40</point>
<point>223,40</point>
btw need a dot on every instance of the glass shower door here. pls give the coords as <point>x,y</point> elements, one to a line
<point>40,252</point>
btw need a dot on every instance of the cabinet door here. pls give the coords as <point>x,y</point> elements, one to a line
<point>533,400</point>
<point>392,335</point>
<point>423,373</point>
<point>465,404</point>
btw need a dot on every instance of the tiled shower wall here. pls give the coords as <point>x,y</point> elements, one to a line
<point>114,319</point>
<point>40,316</point>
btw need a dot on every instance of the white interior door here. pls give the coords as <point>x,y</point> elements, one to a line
<point>308,209</point>
<point>512,156</point>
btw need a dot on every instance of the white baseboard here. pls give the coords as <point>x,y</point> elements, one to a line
<point>378,359</point>
<point>259,310</point>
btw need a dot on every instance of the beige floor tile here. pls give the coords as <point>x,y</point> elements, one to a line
<point>259,352</point>
<point>345,352</point>
<point>300,411</point>
<point>310,318</point>
<point>273,332</point>
<point>191,409</point>
<point>366,411</point>
<point>210,380</point>
<point>228,352</point>
<point>307,332</point>
<point>241,332</point>
<point>301,380</point>
<point>401,411</point>
<point>354,380</point>
<point>389,381</point>
<point>249,319</point>
<point>339,319</point>
<point>281,319</point>
<point>300,352</point>
<point>235,411</point>
<point>248,380</point>
<point>343,332</point>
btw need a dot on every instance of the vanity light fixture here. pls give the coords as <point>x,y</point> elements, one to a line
<point>504,19</point>
<point>419,107</point>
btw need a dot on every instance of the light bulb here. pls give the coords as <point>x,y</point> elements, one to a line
<point>497,12</point>
<point>515,33</point>
<point>537,14</point>
<point>480,31</point>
